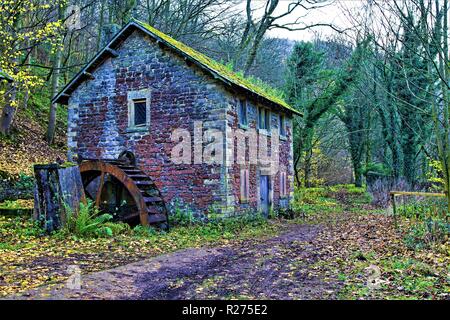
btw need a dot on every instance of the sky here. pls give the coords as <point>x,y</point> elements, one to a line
<point>336,13</point>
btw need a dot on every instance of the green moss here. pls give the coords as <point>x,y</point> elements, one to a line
<point>16,205</point>
<point>68,164</point>
<point>218,68</point>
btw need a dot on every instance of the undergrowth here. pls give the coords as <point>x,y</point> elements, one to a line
<point>96,244</point>
<point>89,222</point>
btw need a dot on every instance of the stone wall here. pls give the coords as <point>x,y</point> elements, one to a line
<point>180,94</point>
<point>256,170</point>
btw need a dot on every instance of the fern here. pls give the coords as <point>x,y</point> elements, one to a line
<point>90,223</point>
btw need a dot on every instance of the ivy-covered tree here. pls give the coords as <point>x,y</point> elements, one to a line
<point>24,25</point>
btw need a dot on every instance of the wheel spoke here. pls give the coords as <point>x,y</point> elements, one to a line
<point>117,181</point>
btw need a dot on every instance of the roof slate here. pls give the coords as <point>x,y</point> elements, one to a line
<point>218,69</point>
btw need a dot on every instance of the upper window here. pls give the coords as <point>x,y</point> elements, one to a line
<point>243,112</point>
<point>282,125</point>
<point>140,112</point>
<point>264,119</point>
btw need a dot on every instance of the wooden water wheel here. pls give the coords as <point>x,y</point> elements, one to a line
<point>120,188</point>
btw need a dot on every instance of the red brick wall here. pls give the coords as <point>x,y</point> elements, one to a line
<point>179,95</point>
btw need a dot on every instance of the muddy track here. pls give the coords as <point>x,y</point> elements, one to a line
<point>276,268</point>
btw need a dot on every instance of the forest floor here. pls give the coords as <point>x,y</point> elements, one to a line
<point>26,145</point>
<point>333,251</point>
<point>280,267</point>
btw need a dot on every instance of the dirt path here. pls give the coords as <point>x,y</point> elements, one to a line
<point>282,267</point>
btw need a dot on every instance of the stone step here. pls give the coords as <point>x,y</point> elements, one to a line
<point>153,210</point>
<point>152,199</point>
<point>137,176</point>
<point>154,218</point>
<point>143,183</point>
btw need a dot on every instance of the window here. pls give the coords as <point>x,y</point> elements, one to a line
<point>283,188</point>
<point>244,185</point>
<point>264,119</point>
<point>282,125</point>
<point>140,112</point>
<point>243,112</point>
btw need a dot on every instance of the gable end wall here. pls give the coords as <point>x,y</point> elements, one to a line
<point>180,95</point>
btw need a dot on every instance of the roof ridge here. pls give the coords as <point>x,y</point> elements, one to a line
<point>217,67</point>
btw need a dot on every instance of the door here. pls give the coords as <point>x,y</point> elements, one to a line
<point>264,194</point>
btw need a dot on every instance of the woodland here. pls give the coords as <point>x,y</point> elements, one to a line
<point>371,207</point>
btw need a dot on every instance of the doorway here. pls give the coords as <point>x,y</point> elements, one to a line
<point>264,187</point>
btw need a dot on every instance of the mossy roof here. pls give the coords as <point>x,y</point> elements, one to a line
<point>217,69</point>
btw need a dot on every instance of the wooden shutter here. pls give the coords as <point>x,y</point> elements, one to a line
<point>245,187</point>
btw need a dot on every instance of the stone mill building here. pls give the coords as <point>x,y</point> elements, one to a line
<point>146,94</point>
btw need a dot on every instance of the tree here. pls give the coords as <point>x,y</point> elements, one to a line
<point>257,24</point>
<point>24,25</point>
<point>303,69</point>
<point>316,101</point>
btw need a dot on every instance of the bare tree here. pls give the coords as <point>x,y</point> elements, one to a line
<point>257,25</point>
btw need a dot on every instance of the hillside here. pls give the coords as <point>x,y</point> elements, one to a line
<point>27,146</point>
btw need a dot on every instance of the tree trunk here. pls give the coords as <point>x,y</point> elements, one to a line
<point>296,169</point>
<point>57,191</point>
<point>55,78</point>
<point>8,112</point>
<point>252,55</point>
<point>358,177</point>
<point>307,168</point>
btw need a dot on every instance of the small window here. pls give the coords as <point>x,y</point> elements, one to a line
<point>244,185</point>
<point>243,112</point>
<point>140,112</point>
<point>283,188</point>
<point>264,119</point>
<point>282,125</point>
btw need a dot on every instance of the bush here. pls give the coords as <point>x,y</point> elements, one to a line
<point>18,188</point>
<point>144,231</point>
<point>17,204</point>
<point>181,214</point>
<point>427,233</point>
<point>90,223</point>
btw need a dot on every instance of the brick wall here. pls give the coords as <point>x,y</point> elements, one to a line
<point>179,94</point>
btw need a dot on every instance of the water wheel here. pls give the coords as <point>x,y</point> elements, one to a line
<point>120,188</point>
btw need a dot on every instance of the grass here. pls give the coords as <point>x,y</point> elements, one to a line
<point>17,204</point>
<point>413,265</point>
<point>360,237</point>
<point>402,278</point>
<point>30,258</point>
<point>319,204</point>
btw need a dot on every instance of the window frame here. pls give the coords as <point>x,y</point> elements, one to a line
<point>283,184</point>
<point>138,97</point>
<point>137,101</point>
<point>245,185</point>
<point>243,106</point>
<point>266,118</point>
<point>282,125</point>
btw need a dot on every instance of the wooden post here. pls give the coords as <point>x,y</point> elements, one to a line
<point>394,209</point>
<point>56,189</point>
